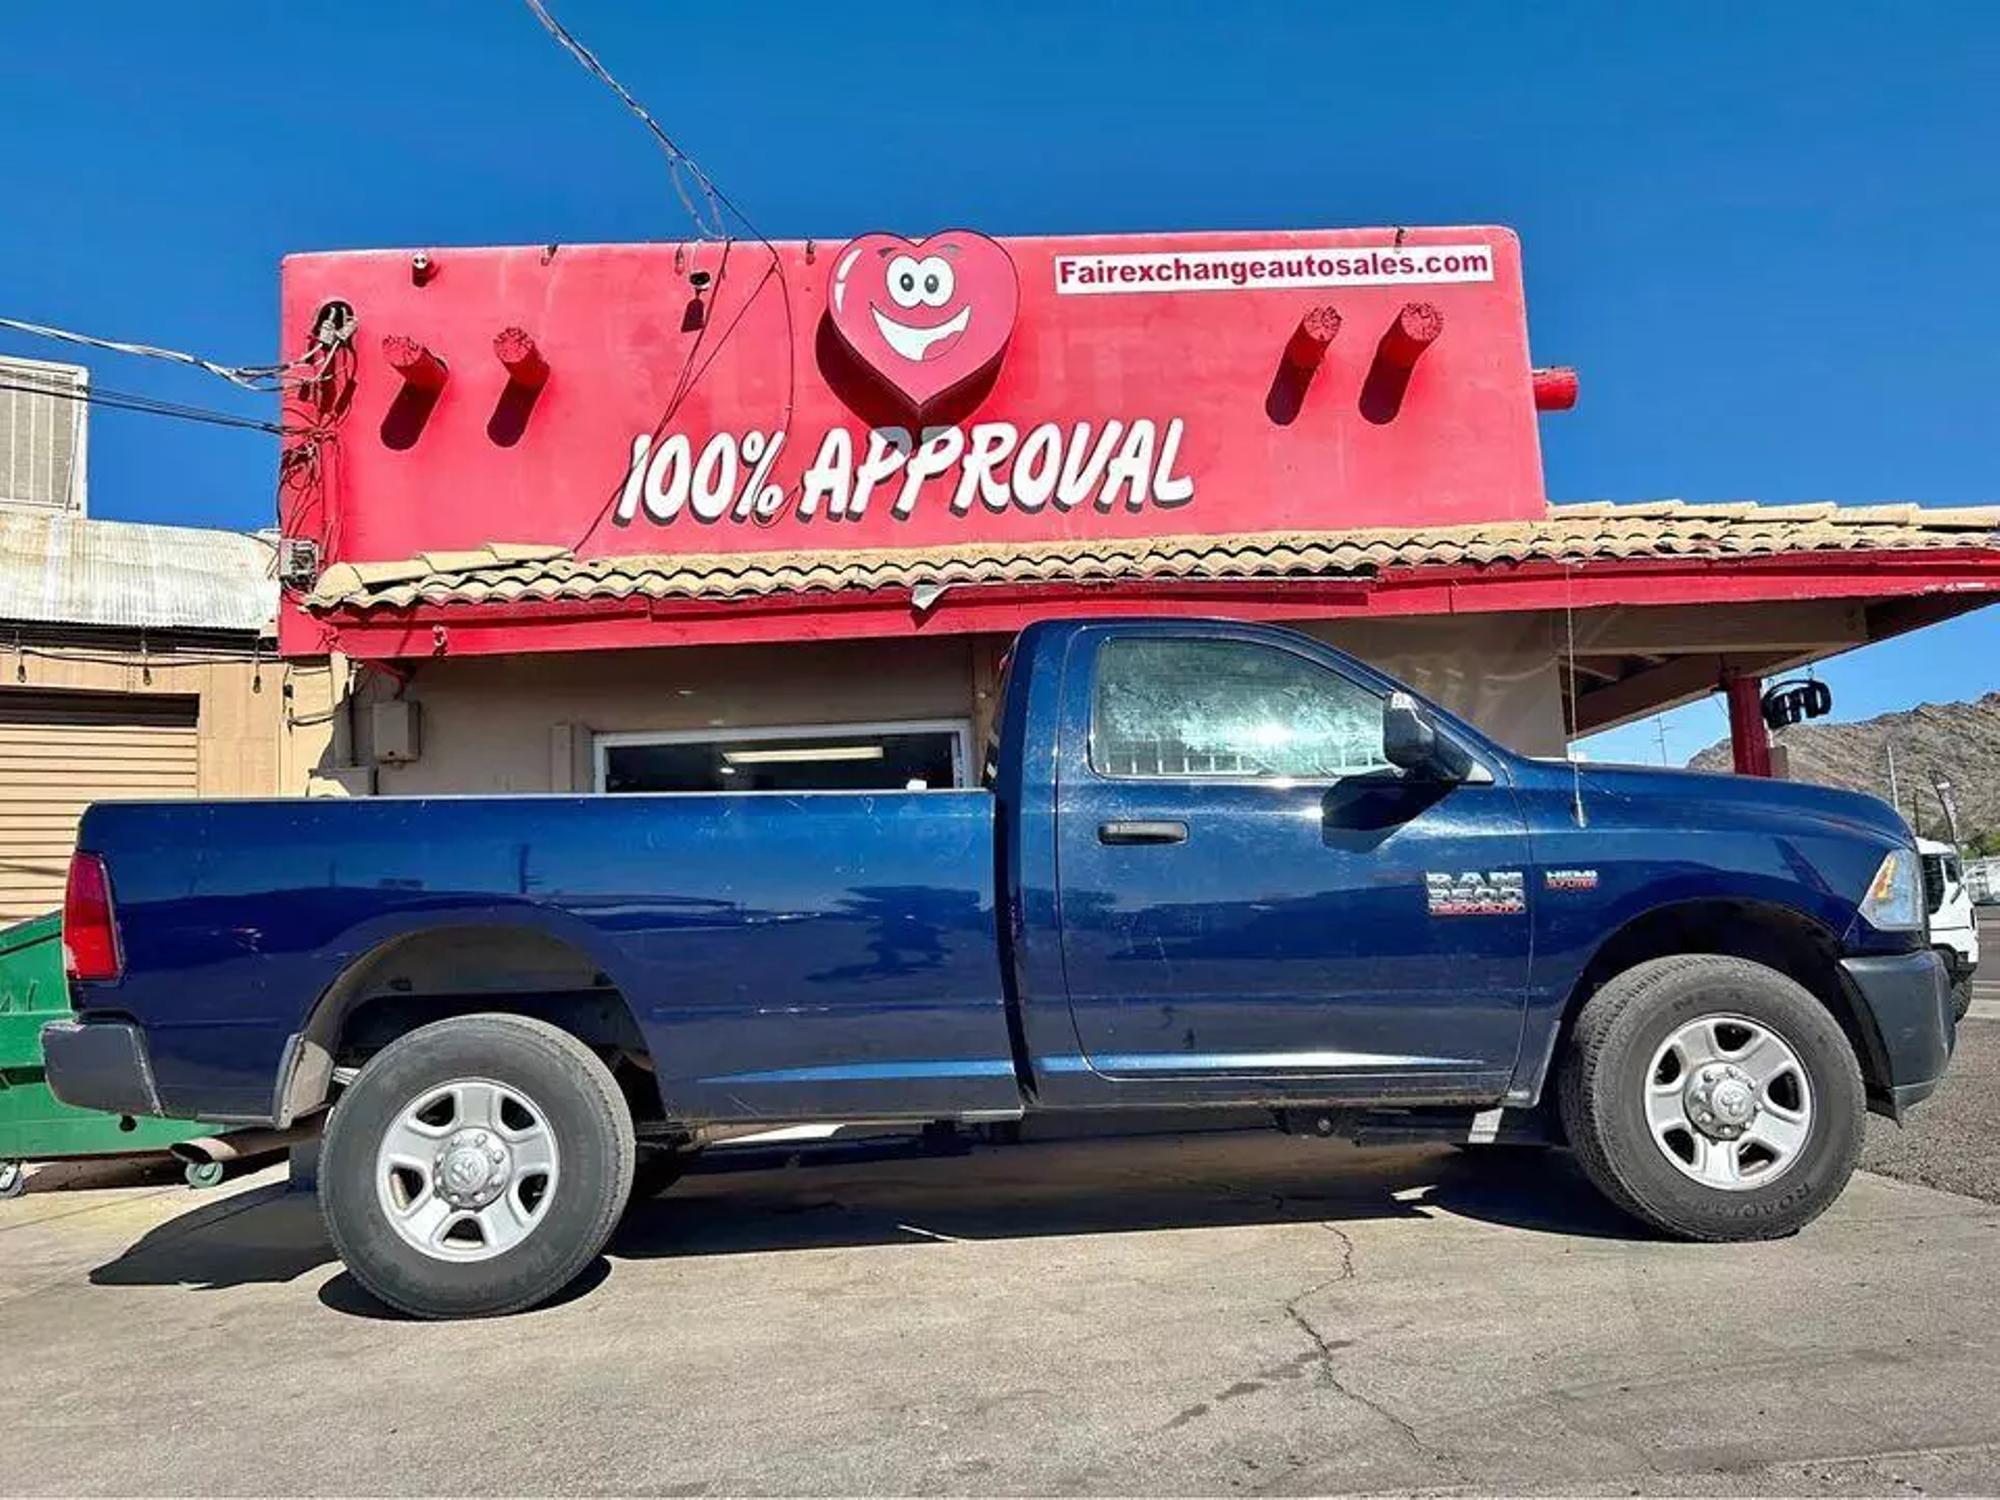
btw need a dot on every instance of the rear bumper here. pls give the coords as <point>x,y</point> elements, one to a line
<point>100,1065</point>
<point>1906,998</point>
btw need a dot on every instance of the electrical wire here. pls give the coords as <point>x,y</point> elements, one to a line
<point>711,225</point>
<point>150,406</point>
<point>250,377</point>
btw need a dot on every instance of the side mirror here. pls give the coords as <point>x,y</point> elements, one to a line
<point>1410,740</point>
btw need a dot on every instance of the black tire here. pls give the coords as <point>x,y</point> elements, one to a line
<point>1961,987</point>
<point>1602,1097</point>
<point>585,1113</point>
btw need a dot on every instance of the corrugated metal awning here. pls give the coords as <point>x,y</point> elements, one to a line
<point>72,570</point>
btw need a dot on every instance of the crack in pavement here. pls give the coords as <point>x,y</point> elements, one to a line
<point>1324,1350</point>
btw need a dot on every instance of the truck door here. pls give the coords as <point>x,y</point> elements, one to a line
<point>1249,895</point>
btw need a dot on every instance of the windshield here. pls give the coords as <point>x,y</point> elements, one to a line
<point>1936,881</point>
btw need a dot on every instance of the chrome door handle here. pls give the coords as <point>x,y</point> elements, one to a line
<point>1163,832</point>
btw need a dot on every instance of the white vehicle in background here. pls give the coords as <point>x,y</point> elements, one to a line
<point>1982,879</point>
<point>1954,928</point>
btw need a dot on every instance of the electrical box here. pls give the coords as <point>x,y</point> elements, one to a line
<point>397,729</point>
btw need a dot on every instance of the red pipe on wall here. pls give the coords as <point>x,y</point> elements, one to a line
<point>1308,344</point>
<point>419,368</point>
<point>525,365</point>
<point>1416,328</point>
<point>1555,388</point>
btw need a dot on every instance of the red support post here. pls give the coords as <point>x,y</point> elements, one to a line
<point>1749,740</point>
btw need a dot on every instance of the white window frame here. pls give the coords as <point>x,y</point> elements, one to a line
<point>960,730</point>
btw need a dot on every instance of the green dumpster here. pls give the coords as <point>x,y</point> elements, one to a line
<point>34,1124</point>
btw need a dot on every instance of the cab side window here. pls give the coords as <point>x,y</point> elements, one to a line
<point>1228,710</point>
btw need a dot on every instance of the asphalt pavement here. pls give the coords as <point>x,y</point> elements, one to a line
<point>1225,1313</point>
<point>1205,1314</point>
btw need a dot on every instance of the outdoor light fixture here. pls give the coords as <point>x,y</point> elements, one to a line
<point>524,363</point>
<point>1309,340</point>
<point>1416,328</point>
<point>802,753</point>
<point>421,370</point>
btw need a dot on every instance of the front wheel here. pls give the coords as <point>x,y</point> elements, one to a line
<point>476,1166</point>
<point>1712,1097</point>
<point>1961,984</point>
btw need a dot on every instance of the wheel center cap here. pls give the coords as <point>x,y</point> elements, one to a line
<point>1733,1101</point>
<point>1721,1101</point>
<point>471,1169</point>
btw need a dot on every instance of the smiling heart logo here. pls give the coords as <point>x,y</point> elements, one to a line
<point>926,316</point>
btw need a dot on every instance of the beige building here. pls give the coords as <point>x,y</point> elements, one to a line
<point>662,719</point>
<point>135,661</point>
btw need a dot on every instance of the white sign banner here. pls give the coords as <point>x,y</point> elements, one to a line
<point>1279,267</point>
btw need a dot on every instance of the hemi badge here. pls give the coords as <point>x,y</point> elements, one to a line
<point>1570,880</point>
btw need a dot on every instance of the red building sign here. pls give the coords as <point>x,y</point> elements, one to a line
<point>893,393</point>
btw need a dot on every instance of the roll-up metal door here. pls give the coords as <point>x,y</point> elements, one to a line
<point>60,752</point>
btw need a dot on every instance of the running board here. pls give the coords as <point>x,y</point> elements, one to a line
<point>1409,1127</point>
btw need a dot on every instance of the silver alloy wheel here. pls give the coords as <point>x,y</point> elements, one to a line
<point>467,1169</point>
<point>1728,1102</point>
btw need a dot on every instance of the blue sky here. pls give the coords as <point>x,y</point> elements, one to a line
<point>1769,235</point>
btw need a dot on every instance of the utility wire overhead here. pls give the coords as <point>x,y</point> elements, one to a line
<point>149,406</point>
<point>250,377</point>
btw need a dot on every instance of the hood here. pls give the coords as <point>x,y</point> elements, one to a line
<point>1854,811</point>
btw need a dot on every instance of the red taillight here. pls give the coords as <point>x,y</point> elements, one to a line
<point>89,931</point>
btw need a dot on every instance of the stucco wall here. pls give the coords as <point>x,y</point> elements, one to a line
<point>526,723</point>
<point>1497,671</point>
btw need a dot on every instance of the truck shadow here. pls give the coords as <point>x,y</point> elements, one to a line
<point>894,1190</point>
<point>260,1235</point>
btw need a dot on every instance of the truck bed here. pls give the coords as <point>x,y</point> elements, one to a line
<point>846,951</point>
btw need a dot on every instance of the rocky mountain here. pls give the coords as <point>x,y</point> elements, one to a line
<point>1960,741</point>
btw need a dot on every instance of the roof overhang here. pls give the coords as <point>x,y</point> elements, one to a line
<point>1638,586</point>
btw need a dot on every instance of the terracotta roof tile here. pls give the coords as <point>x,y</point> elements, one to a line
<point>512,571</point>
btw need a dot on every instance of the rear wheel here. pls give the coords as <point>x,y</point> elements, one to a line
<point>476,1166</point>
<point>1712,1097</point>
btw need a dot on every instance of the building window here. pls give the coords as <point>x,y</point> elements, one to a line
<point>929,755</point>
<point>42,434</point>
<point>1228,709</point>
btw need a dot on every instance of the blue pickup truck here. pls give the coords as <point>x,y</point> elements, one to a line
<point>1211,865</point>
